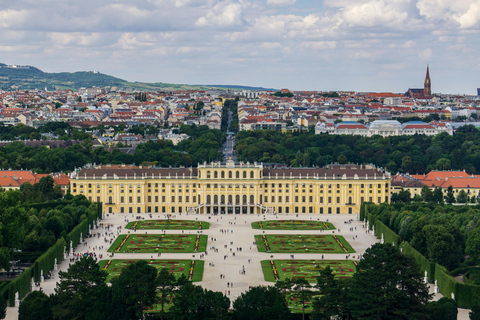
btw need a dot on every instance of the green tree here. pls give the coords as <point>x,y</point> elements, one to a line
<point>462,197</point>
<point>35,306</point>
<point>166,284</point>
<point>472,245</point>
<point>443,164</point>
<point>342,159</point>
<point>261,303</point>
<point>3,309</point>
<point>438,195</point>
<point>475,313</point>
<point>442,247</point>
<point>444,309</point>
<point>387,285</point>
<point>301,291</point>
<point>136,286</point>
<point>329,302</point>
<point>407,163</point>
<point>427,194</point>
<point>5,257</point>
<point>81,291</point>
<point>284,286</point>
<point>199,106</point>
<point>450,196</point>
<point>193,302</point>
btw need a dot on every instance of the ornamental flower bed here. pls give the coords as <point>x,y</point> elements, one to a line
<point>306,269</point>
<point>192,269</point>
<point>303,244</point>
<point>168,224</point>
<point>293,225</point>
<point>159,243</point>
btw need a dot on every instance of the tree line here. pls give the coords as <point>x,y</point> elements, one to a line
<point>447,235</point>
<point>408,154</point>
<point>387,285</point>
<point>61,129</point>
<point>204,145</point>
<point>29,225</point>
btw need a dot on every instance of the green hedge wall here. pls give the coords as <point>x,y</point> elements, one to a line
<point>46,261</point>
<point>388,235</point>
<point>424,263</point>
<point>467,295</point>
<point>21,284</point>
<point>446,283</point>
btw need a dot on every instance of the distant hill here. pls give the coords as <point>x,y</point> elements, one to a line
<point>16,77</point>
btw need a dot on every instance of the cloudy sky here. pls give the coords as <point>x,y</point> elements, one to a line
<point>361,45</point>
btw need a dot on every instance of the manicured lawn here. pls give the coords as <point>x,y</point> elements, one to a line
<point>159,243</point>
<point>293,225</point>
<point>307,269</point>
<point>192,269</point>
<point>285,243</point>
<point>168,224</point>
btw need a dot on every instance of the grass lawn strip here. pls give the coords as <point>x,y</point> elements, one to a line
<point>284,243</point>
<point>293,225</point>
<point>192,269</point>
<point>156,243</point>
<point>168,225</point>
<point>274,270</point>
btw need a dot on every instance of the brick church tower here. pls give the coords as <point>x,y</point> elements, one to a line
<point>427,86</point>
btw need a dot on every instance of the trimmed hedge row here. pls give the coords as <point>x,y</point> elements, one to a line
<point>55,203</point>
<point>22,284</point>
<point>424,263</point>
<point>466,295</point>
<point>445,282</point>
<point>388,235</point>
<point>47,260</point>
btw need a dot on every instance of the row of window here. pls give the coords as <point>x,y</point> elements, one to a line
<point>223,199</point>
<point>215,185</point>
<point>310,210</point>
<point>163,209</point>
<point>130,185</point>
<point>230,175</point>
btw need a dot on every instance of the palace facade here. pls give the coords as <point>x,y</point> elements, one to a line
<point>233,188</point>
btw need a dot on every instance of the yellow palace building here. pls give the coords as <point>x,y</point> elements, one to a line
<point>232,188</point>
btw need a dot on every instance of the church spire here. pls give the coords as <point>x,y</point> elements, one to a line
<point>427,87</point>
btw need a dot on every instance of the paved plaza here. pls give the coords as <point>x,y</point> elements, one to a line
<point>230,248</point>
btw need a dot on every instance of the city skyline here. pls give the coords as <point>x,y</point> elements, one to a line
<point>368,45</point>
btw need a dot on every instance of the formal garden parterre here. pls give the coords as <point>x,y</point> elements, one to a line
<point>168,224</point>
<point>285,243</point>
<point>274,270</point>
<point>159,243</point>
<point>293,225</point>
<point>192,269</point>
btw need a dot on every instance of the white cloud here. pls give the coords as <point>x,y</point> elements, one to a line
<point>191,37</point>
<point>375,13</point>
<point>223,14</point>
<point>281,2</point>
